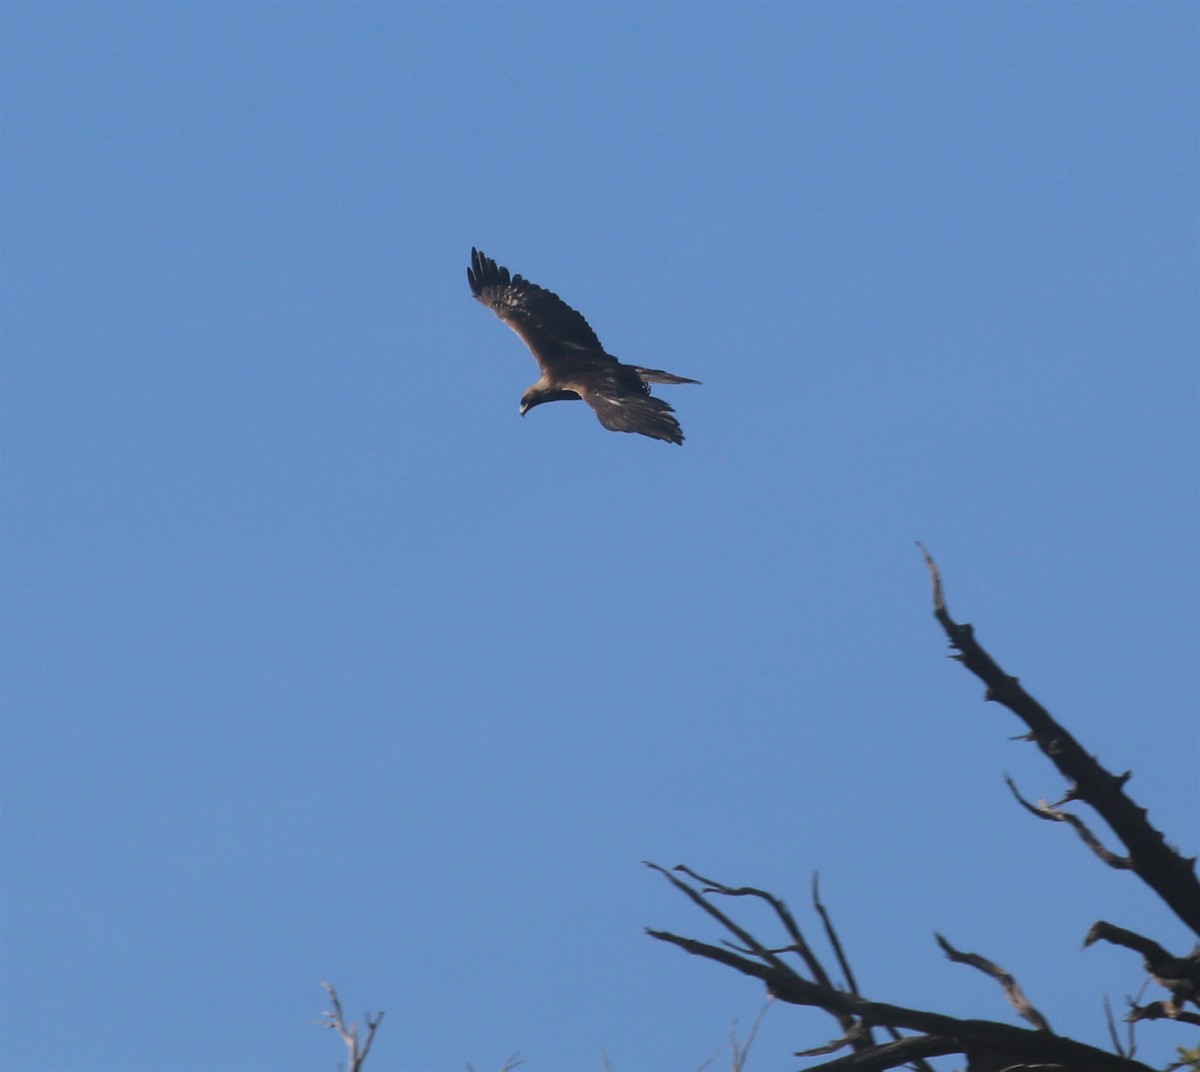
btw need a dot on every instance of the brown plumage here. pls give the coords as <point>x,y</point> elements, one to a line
<point>573,363</point>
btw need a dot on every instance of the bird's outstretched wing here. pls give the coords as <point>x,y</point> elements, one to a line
<point>546,323</point>
<point>632,411</point>
<point>573,363</point>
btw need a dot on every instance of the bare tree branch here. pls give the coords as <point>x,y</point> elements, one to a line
<point>1179,975</point>
<point>336,1021</point>
<point>1127,1048</point>
<point>515,1060</point>
<point>1016,997</point>
<point>741,1050</point>
<point>1042,810</point>
<point>988,1046</point>
<point>911,1051</point>
<point>857,1035</point>
<point>1163,869</point>
<point>980,1040</point>
<point>832,937</point>
<point>1164,1010</point>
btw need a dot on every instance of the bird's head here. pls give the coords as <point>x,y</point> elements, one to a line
<point>536,395</point>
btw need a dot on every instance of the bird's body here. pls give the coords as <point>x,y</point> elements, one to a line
<point>573,363</point>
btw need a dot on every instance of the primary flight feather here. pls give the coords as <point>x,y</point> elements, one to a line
<point>573,363</point>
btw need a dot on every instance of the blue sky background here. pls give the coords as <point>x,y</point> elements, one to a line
<point>321,663</point>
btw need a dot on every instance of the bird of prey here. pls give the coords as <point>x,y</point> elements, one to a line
<point>573,363</point>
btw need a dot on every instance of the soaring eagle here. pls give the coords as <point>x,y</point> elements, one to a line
<point>573,363</point>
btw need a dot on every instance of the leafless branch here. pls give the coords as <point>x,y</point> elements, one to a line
<point>792,972</point>
<point>1163,1010</point>
<point>911,1051</point>
<point>1127,1048</point>
<point>859,1035</point>
<point>514,1060</point>
<point>1179,975</point>
<point>741,1050</point>
<point>832,936</point>
<point>1053,814</point>
<point>983,1038</point>
<point>1163,869</point>
<point>1016,996</point>
<point>335,1020</point>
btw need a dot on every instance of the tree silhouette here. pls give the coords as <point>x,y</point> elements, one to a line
<point>792,972</point>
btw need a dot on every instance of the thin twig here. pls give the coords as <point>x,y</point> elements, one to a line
<point>1016,997</point>
<point>832,935</point>
<point>741,1052</point>
<point>800,946</point>
<point>1053,814</point>
<point>335,1020</point>
<point>787,985</point>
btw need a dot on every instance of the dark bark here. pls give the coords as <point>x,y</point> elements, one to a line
<point>794,973</point>
<point>1164,870</point>
<point>985,1043</point>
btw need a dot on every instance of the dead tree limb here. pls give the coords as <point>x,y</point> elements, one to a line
<point>1179,975</point>
<point>1158,865</point>
<point>1053,814</point>
<point>985,1043</point>
<point>336,1021</point>
<point>855,1034</point>
<point>1148,855</point>
<point>988,1046</point>
<point>1016,996</point>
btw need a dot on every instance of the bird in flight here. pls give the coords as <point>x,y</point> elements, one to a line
<point>573,363</point>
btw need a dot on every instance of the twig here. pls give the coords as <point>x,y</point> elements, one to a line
<point>1179,975</point>
<point>861,1037</point>
<point>1056,815</point>
<point>1127,1048</point>
<point>1163,1010</point>
<point>911,1051</point>
<point>741,1052</point>
<point>832,935</point>
<point>1016,997</point>
<point>968,1036</point>
<point>513,1060</point>
<point>336,1021</point>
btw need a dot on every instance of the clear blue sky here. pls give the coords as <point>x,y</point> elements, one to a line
<point>322,663</point>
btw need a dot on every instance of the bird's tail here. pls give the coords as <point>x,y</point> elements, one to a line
<point>650,375</point>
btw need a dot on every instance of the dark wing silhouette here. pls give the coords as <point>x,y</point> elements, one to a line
<point>642,413</point>
<point>573,363</point>
<point>547,324</point>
